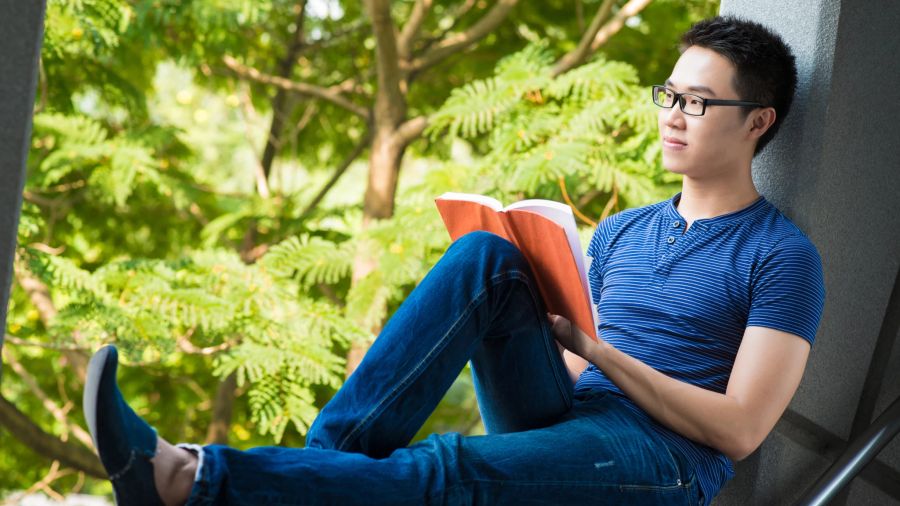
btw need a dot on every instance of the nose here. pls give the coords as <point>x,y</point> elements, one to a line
<point>673,117</point>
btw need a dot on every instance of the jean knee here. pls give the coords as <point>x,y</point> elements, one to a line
<point>487,246</point>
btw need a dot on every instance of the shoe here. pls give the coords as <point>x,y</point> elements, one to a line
<point>123,440</point>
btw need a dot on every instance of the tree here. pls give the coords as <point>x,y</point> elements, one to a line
<point>161,214</point>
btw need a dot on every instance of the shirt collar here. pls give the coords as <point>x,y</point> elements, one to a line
<point>722,220</point>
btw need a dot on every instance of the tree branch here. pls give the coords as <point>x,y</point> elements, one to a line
<point>576,56</point>
<point>39,200</point>
<point>280,105</point>
<point>390,106</point>
<point>334,37</point>
<point>25,431</point>
<point>311,109</point>
<point>57,412</point>
<point>613,201</point>
<point>615,24</point>
<point>456,15</point>
<point>456,43</point>
<point>331,94</point>
<point>412,28</point>
<point>22,342</point>
<point>579,15</point>
<point>259,172</point>
<point>184,344</point>
<point>410,130</point>
<point>338,172</point>
<point>39,295</point>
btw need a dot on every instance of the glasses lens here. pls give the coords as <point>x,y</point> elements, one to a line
<point>692,104</point>
<point>662,96</point>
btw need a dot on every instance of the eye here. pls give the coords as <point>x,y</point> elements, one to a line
<point>695,101</point>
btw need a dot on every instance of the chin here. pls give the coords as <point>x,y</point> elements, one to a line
<point>675,166</point>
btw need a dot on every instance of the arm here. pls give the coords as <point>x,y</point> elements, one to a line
<point>575,364</point>
<point>766,373</point>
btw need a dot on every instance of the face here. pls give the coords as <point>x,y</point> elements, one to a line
<point>717,143</point>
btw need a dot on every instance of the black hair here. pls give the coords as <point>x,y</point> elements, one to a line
<point>765,68</point>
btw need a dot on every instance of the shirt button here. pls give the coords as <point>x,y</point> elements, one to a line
<point>676,224</point>
<point>670,240</point>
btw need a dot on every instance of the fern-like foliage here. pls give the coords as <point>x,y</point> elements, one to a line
<point>78,151</point>
<point>309,260</point>
<point>258,320</point>
<point>592,127</point>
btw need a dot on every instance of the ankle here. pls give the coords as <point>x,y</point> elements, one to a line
<point>173,472</point>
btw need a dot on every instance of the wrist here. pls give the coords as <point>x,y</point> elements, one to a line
<point>598,353</point>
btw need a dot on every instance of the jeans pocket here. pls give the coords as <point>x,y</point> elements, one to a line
<point>684,470</point>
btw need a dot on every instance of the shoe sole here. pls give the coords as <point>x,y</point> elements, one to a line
<point>92,385</point>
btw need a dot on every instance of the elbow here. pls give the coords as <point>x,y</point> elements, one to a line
<point>739,447</point>
<point>739,454</point>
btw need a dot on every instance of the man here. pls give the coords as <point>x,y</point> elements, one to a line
<point>708,304</point>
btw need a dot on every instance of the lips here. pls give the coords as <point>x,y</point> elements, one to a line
<point>672,145</point>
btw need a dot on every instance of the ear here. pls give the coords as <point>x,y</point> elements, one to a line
<point>760,121</point>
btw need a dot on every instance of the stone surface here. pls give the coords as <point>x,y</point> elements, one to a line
<point>775,475</point>
<point>21,24</point>
<point>833,171</point>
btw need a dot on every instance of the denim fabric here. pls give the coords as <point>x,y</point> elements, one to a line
<point>544,446</point>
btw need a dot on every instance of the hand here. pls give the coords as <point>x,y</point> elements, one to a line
<point>571,337</point>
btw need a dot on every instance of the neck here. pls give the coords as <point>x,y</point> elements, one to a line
<point>708,198</point>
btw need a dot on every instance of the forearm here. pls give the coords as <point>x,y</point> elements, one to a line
<point>574,364</point>
<point>704,416</point>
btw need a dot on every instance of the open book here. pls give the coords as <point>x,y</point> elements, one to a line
<point>544,231</point>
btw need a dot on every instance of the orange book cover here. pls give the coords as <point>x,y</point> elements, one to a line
<point>544,231</point>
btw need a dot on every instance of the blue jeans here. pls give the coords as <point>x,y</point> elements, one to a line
<point>543,446</point>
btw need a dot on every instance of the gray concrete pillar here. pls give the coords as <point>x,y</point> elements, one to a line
<point>834,169</point>
<point>22,27</point>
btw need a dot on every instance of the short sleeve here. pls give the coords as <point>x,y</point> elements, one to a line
<point>595,250</point>
<point>601,237</point>
<point>788,289</point>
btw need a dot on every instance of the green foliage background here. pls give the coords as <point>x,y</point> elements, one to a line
<point>140,192</point>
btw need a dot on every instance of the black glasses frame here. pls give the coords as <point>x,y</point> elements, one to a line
<point>680,100</point>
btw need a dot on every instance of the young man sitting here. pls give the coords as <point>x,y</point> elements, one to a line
<point>708,304</point>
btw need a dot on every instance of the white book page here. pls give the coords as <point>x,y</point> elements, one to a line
<point>594,308</point>
<point>474,197</point>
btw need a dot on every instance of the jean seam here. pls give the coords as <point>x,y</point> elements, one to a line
<point>584,483</point>
<point>548,343</point>
<point>202,485</point>
<point>416,371</point>
<point>560,376</point>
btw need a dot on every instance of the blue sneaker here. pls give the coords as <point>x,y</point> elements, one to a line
<point>124,441</point>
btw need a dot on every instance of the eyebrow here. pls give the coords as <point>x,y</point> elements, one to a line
<point>701,89</point>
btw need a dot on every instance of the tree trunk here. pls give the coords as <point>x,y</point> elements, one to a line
<point>222,409</point>
<point>280,104</point>
<point>387,149</point>
<point>384,171</point>
<point>47,445</point>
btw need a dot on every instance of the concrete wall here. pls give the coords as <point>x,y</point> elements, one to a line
<point>835,171</point>
<point>21,26</point>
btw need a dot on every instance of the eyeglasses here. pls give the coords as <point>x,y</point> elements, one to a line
<point>693,105</point>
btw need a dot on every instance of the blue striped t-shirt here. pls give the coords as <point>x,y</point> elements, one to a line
<point>680,301</point>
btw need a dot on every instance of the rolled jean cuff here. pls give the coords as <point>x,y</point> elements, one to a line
<point>198,450</point>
